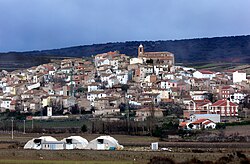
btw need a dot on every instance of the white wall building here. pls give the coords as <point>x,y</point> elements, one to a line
<point>93,87</point>
<point>7,89</point>
<point>2,84</point>
<point>135,61</point>
<point>33,86</point>
<point>237,97</point>
<point>95,94</point>
<point>203,74</point>
<point>5,103</point>
<point>112,81</point>
<point>239,77</point>
<point>164,84</point>
<point>123,78</point>
<point>114,63</point>
<point>213,117</point>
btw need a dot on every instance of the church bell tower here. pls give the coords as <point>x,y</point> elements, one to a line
<point>140,50</point>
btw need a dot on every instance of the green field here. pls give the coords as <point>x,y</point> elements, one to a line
<point>214,66</point>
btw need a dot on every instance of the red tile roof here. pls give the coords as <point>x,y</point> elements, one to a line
<point>226,87</point>
<point>199,121</point>
<point>205,72</point>
<point>13,102</point>
<point>202,102</point>
<point>207,122</point>
<point>223,103</point>
<point>183,124</point>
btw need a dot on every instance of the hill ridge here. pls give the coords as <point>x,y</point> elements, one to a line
<point>216,49</point>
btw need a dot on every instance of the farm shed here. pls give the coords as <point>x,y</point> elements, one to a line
<point>44,142</point>
<point>104,143</point>
<point>75,142</point>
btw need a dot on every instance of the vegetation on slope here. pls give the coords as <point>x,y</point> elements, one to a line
<point>234,49</point>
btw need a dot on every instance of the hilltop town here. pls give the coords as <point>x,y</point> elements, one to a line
<point>113,86</point>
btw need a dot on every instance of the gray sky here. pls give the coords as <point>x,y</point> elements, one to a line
<point>46,24</point>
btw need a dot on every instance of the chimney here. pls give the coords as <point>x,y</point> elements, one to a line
<point>228,104</point>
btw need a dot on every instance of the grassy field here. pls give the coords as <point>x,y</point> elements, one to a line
<point>214,66</point>
<point>103,157</point>
<point>137,150</point>
<point>221,66</point>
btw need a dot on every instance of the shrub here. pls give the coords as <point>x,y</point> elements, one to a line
<point>161,160</point>
<point>84,128</point>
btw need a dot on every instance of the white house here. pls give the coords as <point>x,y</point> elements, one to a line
<point>133,102</point>
<point>102,62</point>
<point>165,94</point>
<point>112,81</point>
<point>93,87</point>
<point>52,72</point>
<point>148,69</point>
<point>123,78</point>
<point>136,61</point>
<point>33,86</point>
<point>213,117</point>
<point>198,95</point>
<point>66,70</point>
<point>168,76</point>
<point>95,94</point>
<point>158,69</point>
<point>237,97</point>
<point>106,111</point>
<point>2,83</point>
<point>202,123</point>
<point>105,77</point>
<point>164,84</point>
<point>5,103</point>
<point>203,74</point>
<point>239,76</point>
<point>7,89</point>
<point>114,64</point>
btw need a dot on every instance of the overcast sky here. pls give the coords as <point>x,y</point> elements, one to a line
<point>46,24</point>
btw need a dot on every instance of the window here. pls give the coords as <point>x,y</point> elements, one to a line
<point>100,141</point>
<point>69,141</point>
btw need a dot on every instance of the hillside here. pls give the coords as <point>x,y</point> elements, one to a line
<point>234,49</point>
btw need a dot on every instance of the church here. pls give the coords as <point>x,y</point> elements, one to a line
<point>156,58</point>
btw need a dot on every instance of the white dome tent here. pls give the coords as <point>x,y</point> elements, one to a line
<point>75,142</point>
<point>44,142</point>
<point>104,143</point>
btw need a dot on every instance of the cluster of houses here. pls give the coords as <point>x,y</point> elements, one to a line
<point>108,80</point>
